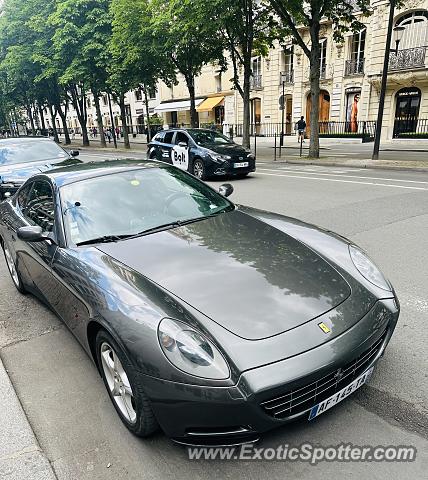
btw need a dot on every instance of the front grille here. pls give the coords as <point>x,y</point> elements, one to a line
<point>304,398</point>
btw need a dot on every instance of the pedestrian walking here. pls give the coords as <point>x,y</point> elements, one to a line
<point>73,134</point>
<point>108,134</point>
<point>301,127</point>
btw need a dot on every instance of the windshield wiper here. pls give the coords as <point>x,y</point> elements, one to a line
<point>104,239</point>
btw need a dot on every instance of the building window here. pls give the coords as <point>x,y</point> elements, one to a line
<point>138,95</point>
<point>152,93</point>
<point>415,29</point>
<point>287,65</point>
<point>218,86</point>
<point>355,64</point>
<point>105,101</point>
<point>88,102</point>
<point>323,58</point>
<point>256,79</point>
<point>408,101</point>
<point>353,96</point>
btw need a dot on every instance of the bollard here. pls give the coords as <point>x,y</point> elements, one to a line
<point>255,147</point>
<point>274,148</point>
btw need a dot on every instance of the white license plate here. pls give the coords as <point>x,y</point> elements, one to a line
<point>241,164</point>
<point>340,395</point>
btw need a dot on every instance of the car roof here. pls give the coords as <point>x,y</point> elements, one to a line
<point>5,141</point>
<point>83,171</point>
<point>187,129</point>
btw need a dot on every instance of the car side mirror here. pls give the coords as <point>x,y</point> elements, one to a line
<point>31,234</point>
<point>226,189</point>
<point>183,144</point>
<point>74,153</point>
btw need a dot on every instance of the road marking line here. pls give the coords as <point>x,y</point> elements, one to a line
<point>353,176</point>
<point>344,181</point>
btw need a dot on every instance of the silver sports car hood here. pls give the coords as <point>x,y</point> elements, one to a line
<point>244,274</point>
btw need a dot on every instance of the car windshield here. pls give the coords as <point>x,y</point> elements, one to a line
<point>27,151</point>
<point>208,137</point>
<point>135,202</point>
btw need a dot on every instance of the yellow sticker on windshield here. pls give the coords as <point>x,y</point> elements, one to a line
<point>135,182</point>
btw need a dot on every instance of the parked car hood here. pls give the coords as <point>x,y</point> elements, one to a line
<point>21,171</point>
<point>244,274</point>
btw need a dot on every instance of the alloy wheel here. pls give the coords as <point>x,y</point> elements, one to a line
<point>118,382</point>
<point>198,169</point>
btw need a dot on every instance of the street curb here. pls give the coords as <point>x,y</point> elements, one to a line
<point>404,168</point>
<point>20,454</point>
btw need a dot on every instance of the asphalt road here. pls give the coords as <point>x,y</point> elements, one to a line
<point>385,212</point>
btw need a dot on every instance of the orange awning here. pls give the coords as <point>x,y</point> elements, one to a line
<point>209,103</point>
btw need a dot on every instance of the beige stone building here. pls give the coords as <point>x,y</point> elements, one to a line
<point>351,74</point>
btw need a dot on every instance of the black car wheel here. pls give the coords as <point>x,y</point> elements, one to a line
<point>198,169</point>
<point>13,270</point>
<point>125,389</point>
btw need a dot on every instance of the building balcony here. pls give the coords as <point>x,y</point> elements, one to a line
<point>408,59</point>
<point>354,67</point>
<point>326,73</point>
<point>256,82</point>
<point>286,77</point>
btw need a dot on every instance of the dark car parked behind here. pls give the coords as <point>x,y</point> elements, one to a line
<point>205,153</point>
<point>20,158</point>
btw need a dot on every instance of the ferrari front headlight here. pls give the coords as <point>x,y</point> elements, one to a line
<point>190,351</point>
<point>368,268</point>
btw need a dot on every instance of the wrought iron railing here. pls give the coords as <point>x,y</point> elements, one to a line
<point>408,127</point>
<point>286,77</point>
<point>256,82</point>
<point>354,67</point>
<point>407,59</point>
<point>331,128</point>
<point>363,128</point>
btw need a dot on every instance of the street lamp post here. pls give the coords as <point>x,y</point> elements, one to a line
<point>281,140</point>
<point>398,32</point>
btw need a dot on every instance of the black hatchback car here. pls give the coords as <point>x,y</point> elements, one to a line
<point>202,152</point>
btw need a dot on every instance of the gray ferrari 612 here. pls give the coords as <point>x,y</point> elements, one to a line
<point>214,321</point>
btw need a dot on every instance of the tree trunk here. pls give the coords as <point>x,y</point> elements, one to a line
<point>64,124</point>
<point>314,76</point>
<point>79,104</point>
<point>42,118</point>
<point>55,131</point>
<point>30,116</point>
<point>124,122</point>
<point>99,118</point>
<point>194,122</point>
<point>149,129</point>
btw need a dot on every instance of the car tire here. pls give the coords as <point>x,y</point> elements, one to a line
<point>198,169</point>
<point>132,404</point>
<point>152,155</point>
<point>13,270</point>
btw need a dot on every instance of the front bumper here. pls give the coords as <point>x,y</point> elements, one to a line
<point>203,415</point>
<point>228,168</point>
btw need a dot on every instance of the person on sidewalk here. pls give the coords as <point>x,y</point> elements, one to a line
<point>301,127</point>
<point>108,134</point>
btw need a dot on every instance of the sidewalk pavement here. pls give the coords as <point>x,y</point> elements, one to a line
<point>265,154</point>
<point>20,455</point>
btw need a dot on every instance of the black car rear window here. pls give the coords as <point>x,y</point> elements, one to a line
<point>29,151</point>
<point>168,137</point>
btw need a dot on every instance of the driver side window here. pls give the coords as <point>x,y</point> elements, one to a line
<point>39,207</point>
<point>181,137</point>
